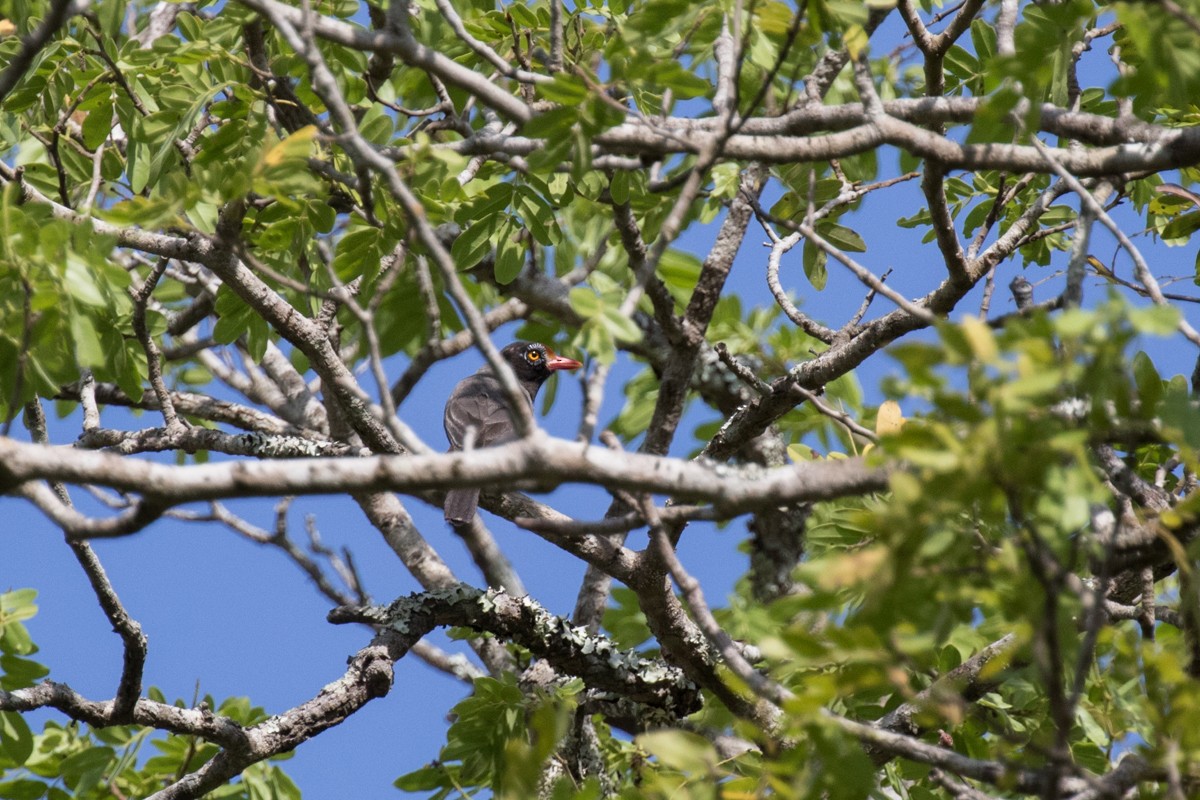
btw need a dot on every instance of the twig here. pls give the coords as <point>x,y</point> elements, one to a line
<point>1141,270</point>
<point>141,296</point>
<point>60,11</point>
<point>133,640</point>
<point>865,275</point>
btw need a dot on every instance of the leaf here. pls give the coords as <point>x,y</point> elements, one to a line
<point>1155,320</point>
<point>297,146</point>
<point>523,16</point>
<point>423,780</point>
<point>622,328</point>
<point>83,770</point>
<point>1150,384</point>
<point>800,453</point>
<point>843,238</point>
<point>16,739</point>
<point>814,259</point>
<point>980,339</point>
<point>97,125</point>
<point>1180,229</point>
<point>684,751</point>
<point>86,340</point>
<point>17,605</point>
<point>679,269</point>
<point>853,568</point>
<point>727,178</point>
<point>618,187</point>
<point>23,790</point>
<point>624,620</point>
<point>358,251</point>
<point>474,244</point>
<point>1091,729</point>
<point>855,40</point>
<point>20,673</point>
<point>80,281</point>
<point>672,75</point>
<point>656,15</point>
<point>538,217</point>
<point>566,89</point>
<point>584,301</point>
<point>889,419</point>
<point>510,255</point>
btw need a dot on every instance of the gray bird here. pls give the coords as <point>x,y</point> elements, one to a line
<point>478,402</point>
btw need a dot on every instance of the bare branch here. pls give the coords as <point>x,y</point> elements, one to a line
<point>399,42</point>
<point>537,458</point>
<point>133,640</point>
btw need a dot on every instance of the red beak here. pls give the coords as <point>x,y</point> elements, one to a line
<point>560,362</point>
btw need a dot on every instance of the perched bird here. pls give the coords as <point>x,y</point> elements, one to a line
<point>478,402</point>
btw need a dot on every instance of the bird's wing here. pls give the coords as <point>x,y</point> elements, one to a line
<point>477,402</point>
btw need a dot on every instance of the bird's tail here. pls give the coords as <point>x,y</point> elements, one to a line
<point>460,505</point>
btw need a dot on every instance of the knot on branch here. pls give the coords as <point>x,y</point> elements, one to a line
<point>375,671</point>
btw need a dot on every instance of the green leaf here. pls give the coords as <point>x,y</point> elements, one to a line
<point>1150,385</point>
<point>17,605</point>
<point>566,89</point>
<point>358,252</point>
<point>82,283</point>
<point>16,740</point>
<point>523,16</point>
<point>622,328</point>
<point>83,770</point>
<point>684,751</point>
<point>510,255</point>
<point>814,259</point>
<point>297,147</point>
<point>618,187</point>
<point>624,620</point>
<point>584,301</point>
<point>89,352</point>
<point>97,125</point>
<point>1091,729</point>
<point>672,75</point>
<point>20,673</point>
<point>423,780</point>
<point>23,789</point>
<point>1180,229</point>
<point>474,244</point>
<point>843,238</point>
<point>679,270</point>
<point>538,217</point>
<point>1155,320</point>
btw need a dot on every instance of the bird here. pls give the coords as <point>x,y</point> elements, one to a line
<point>478,403</point>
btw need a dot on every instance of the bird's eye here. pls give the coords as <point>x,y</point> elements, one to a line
<point>534,356</point>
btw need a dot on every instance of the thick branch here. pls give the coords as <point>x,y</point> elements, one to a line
<point>522,620</point>
<point>541,459</point>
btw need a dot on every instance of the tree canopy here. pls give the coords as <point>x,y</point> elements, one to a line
<point>947,411</point>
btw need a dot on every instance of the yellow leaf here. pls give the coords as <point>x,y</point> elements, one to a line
<point>298,145</point>
<point>852,569</point>
<point>979,337</point>
<point>855,40</point>
<point>890,419</point>
<point>800,452</point>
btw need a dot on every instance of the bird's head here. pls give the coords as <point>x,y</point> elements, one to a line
<point>533,362</point>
